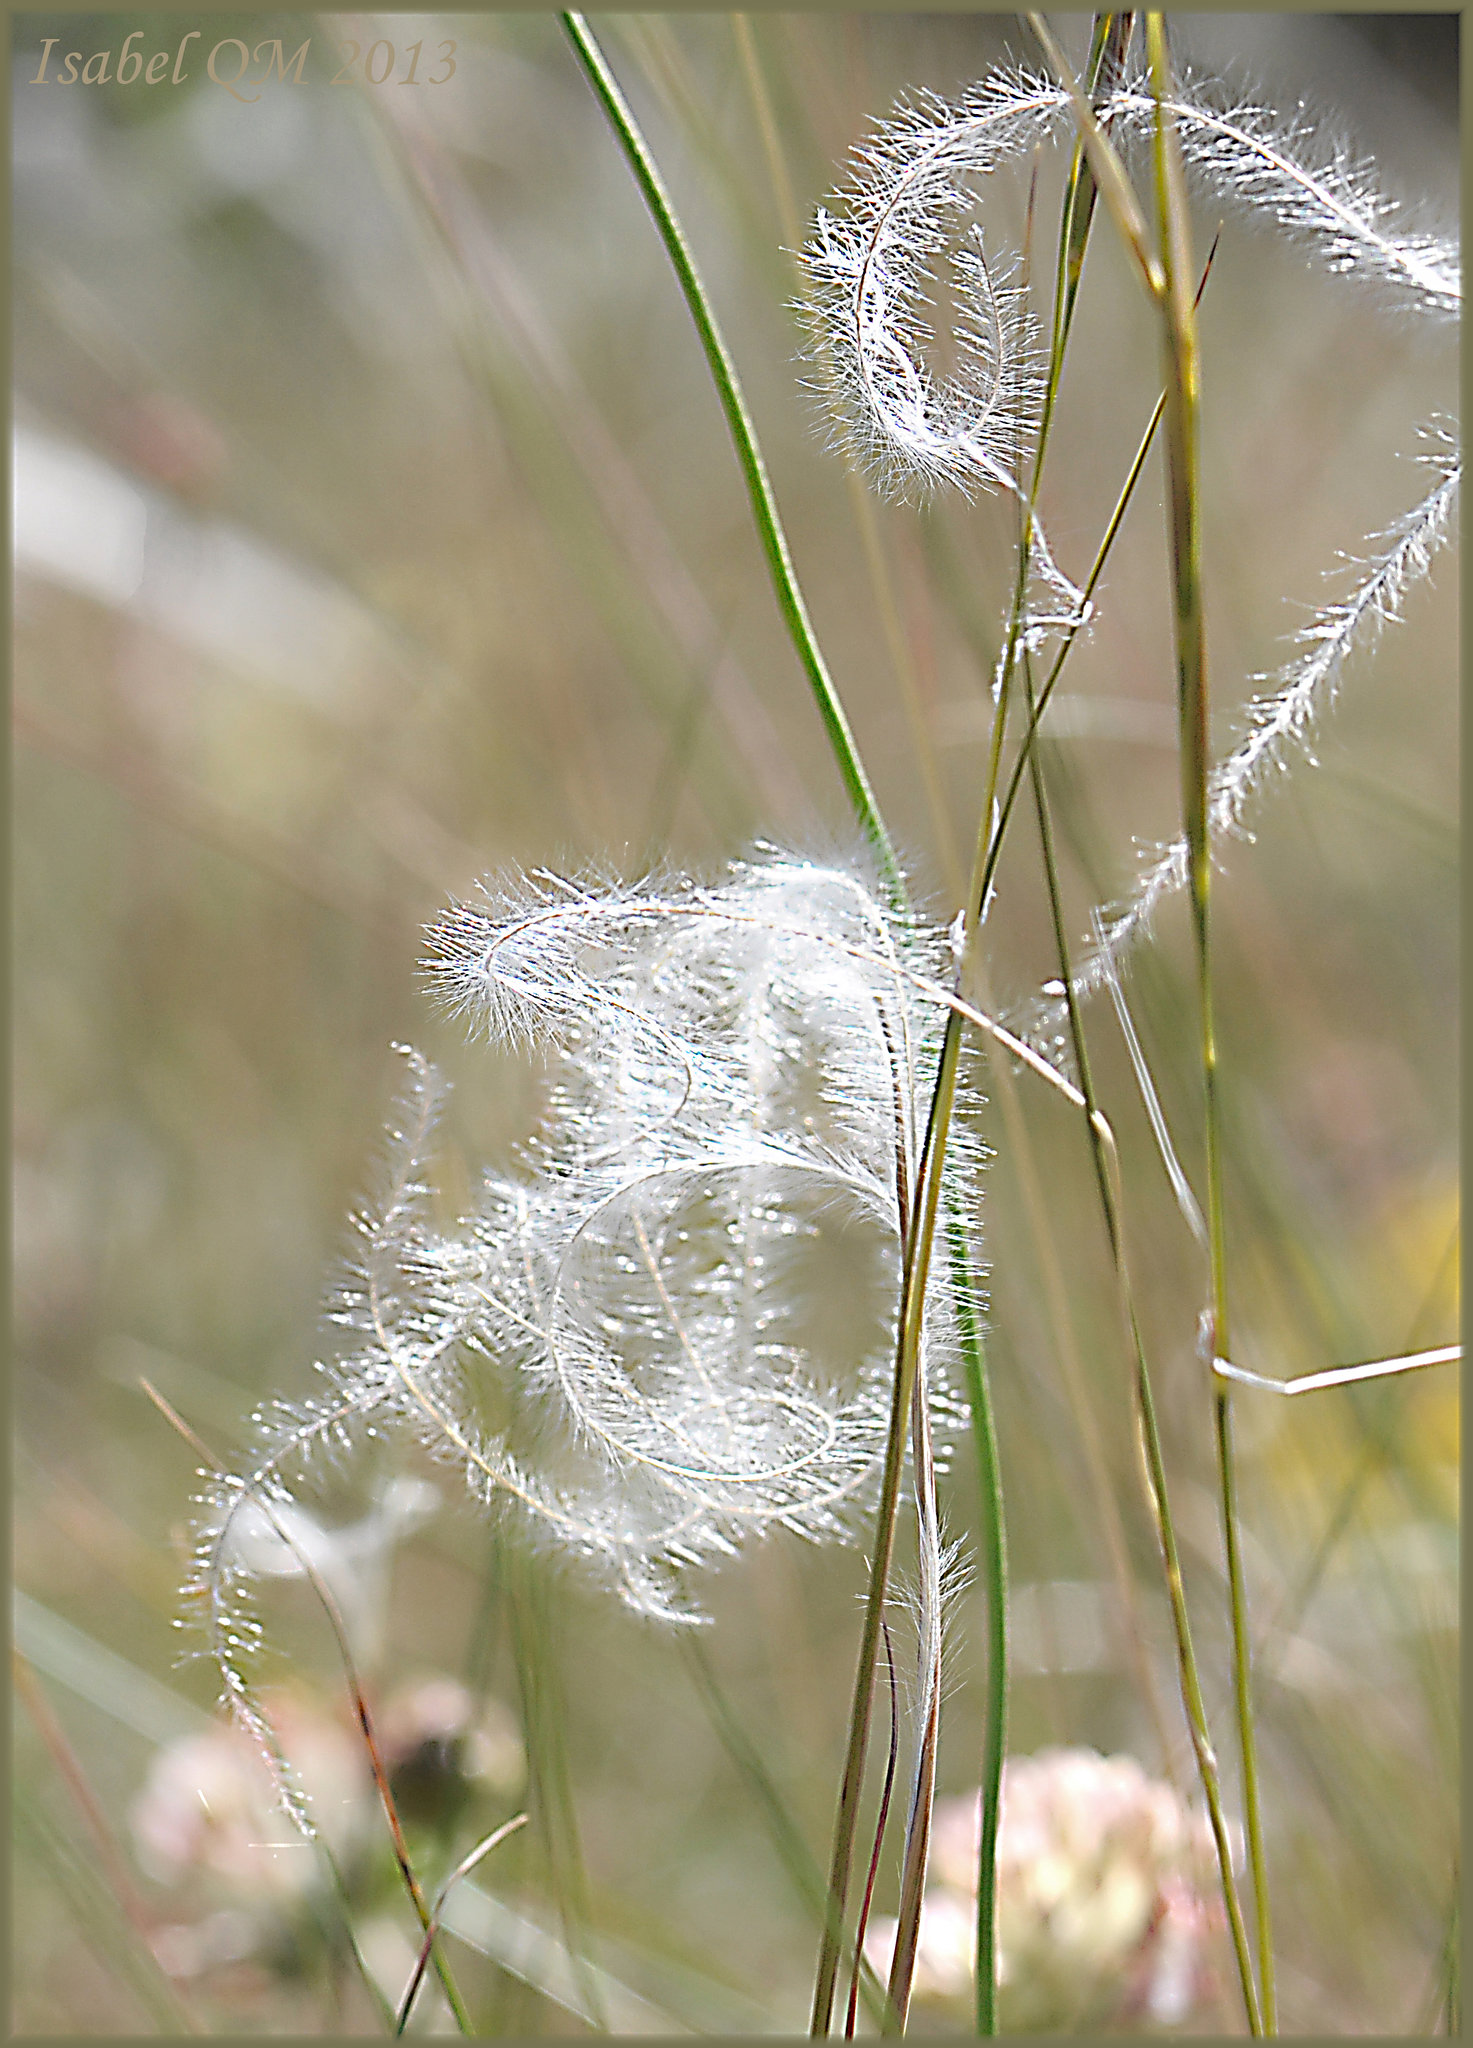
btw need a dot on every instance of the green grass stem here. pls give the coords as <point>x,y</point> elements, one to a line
<point>995,1574</point>
<point>877,567</point>
<point>1183,408</point>
<point>754,469</point>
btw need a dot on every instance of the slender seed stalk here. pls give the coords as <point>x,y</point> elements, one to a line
<point>462,1869</point>
<point>902,661</point>
<point>1156,1467</point>
<point>1182,413</point>
<point>1114,186</point>
<point>1109,40</point>
<point>787,1837</point>
<point>1191,1688</point>
<point>880,1820</point>
<point>916,1273</point>
<point>1108,1175</point>
<point>1171,291</point>
<point>1071,632</point>
<point>995,1704</point>
<point>918,1829</point>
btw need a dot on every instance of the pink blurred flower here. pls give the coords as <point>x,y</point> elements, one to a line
<point>210,1810</point>
<point>1106,1898</point>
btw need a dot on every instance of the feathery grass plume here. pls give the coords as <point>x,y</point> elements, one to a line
<point>1309,185</point>
<point>1280,721</point>
<point>672,1330</point>
<point>872,269</point>
<point>1318,194</point>
<point>872,273</point>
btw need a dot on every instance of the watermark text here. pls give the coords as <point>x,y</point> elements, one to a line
<point>245,72</point>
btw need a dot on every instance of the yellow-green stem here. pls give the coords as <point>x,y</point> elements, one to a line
<point>1177,303</point>
<point>1183,415</point>
<point>744,438</point>
<point>912,1304</point>
<point>995,1563</point>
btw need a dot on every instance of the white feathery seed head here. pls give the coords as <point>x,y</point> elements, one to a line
<point>671,1329</point>
<point>1313,189</point>
<point>871,262</point>
<point>873,257</point>
<point>872,267</point>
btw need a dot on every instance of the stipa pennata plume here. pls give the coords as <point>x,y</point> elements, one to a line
<point>1281,719</point>
<point>672,1330</point>
<point>872,264</point>
<point>872,268</point>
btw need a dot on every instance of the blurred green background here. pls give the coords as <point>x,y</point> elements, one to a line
<point>377,528</point>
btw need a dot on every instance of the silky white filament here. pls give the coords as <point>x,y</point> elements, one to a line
<point>872,264</point>
<point>1280,720</point>
<point>633,1347</point>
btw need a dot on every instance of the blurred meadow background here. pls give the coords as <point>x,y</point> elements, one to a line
<point>377,528</point>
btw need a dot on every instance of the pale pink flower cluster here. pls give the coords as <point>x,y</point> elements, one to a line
<point>1106,1906</point>
<point>210,1812</point>
<point>209,1821</point>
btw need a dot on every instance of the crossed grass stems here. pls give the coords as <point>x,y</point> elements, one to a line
<point>1164,266</point>
<point>933,1225</point>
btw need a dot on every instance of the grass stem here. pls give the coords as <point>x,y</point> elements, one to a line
<point>1183,385</point>
<point>995,1702</point>
<point>754,469</point>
